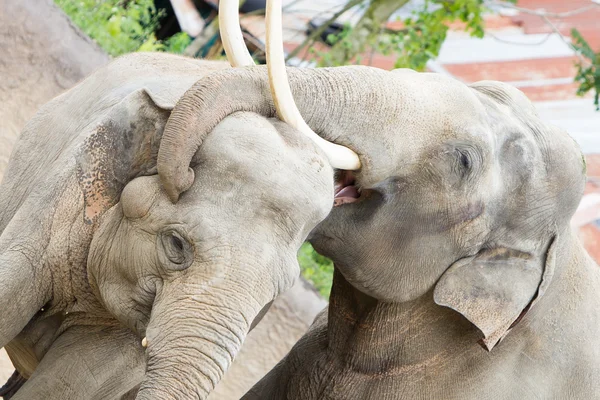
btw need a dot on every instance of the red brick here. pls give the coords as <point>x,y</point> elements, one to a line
<point>548,68</point>
<point>591,187</point>
<point>586,22</point>
<point>593,165</point>
<point>590,237</point>
<point>551,92</point>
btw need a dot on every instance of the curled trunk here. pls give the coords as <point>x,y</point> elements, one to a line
<point>335,103</point>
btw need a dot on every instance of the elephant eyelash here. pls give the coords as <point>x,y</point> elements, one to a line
<point>177,243</point>
<point>177,251</point>
<point>465,160</point>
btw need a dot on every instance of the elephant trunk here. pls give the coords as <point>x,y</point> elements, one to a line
<point>335,102</point>
<point>192,339</point>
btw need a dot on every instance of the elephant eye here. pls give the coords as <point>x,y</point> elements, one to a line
<point>465,160</point>
<point>177,243</point>
<point>177,252</point>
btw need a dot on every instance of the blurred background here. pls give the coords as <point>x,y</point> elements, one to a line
<point>549,49</point>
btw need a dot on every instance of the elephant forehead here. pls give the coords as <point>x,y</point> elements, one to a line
<point>423,111</point>
<point>437,96</point>
<point>255,165</point>
<point>246,147</point>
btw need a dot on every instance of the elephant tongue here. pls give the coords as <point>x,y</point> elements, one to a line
<point>345,189</point>
<point>348,194</point>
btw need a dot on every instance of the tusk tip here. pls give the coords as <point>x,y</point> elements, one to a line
<point>144,342</point>
<point>342,157</point>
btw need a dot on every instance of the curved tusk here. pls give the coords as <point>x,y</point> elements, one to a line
<point>144,342</point>
<point>231,34</point>
<point>339,156</point>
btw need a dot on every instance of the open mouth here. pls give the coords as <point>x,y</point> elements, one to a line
<point>346,190</point>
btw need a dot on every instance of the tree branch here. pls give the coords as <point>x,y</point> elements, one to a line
<point>317,32</point>
<point>546,17</point>
<point>369,25</point>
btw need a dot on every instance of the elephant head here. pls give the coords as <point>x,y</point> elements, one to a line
<point>470,195</point>
<point>194,276</point>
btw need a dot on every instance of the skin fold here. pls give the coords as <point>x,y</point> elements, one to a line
<point>287,320</point>
<point>94,255</point>
<point>457,274</point>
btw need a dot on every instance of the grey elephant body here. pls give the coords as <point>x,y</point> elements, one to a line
<point>45,54</point>
<point>361,348</point>
<point>82,267</point>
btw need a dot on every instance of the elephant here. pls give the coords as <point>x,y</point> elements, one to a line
<point>463,194</point>
<point>457,274</point>
<point>95,254</point>
<point>39,40</point>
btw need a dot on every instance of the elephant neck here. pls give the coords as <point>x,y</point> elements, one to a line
<point>375,337</point>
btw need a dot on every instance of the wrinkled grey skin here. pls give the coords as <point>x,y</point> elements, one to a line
<point>288,319</point>
<point>460,238</point>
<point>94,255</point>
<point>457,274</point>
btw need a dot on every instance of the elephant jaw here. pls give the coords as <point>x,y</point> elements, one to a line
<point>346,189</point>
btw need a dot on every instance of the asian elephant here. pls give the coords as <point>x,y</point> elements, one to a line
<point>95,256</point>
<point>457,273</point>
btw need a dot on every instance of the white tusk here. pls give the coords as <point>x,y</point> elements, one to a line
<point>144,342</point>
<point>231,34</point>
<point>339,156</point>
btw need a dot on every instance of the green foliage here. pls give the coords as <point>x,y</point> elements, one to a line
<point>419,41</point>
<point>316,269</point>
<point>342,39</point>
<point>121,26</point>
<point>588,69</point>
<point>177,43</point>
<point>425,32</point>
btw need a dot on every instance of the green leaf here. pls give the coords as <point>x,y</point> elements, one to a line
<point>118,26</point>
<point>316,269</point>
<point>581,45</point>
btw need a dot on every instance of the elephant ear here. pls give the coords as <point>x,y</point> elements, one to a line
<point>121,146</point>
<point>495,288</point>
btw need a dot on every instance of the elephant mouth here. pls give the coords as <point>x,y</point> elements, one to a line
<point>346,188</point>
